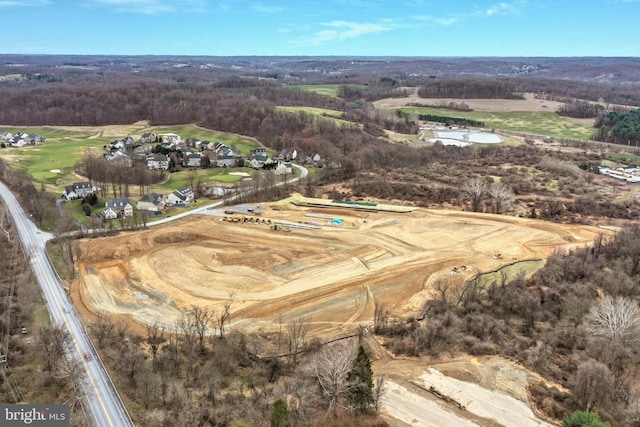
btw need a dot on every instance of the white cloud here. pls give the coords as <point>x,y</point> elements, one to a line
<point>503,8</point>
<point>267,9</point>
<point>444,21</point>
<point>341,30</point>
<point>152,7</point>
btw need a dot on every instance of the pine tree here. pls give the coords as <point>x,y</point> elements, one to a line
<point>280,416</point>
<point>360,382</point>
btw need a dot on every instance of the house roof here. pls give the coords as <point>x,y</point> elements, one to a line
<point>118,203</point>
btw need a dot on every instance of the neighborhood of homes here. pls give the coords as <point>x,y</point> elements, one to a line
<point>194,153</point>
<point>20,139</point>
<point>122,207</point>
<point>189,153</point>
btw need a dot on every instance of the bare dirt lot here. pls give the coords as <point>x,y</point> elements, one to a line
<point>331,276</point>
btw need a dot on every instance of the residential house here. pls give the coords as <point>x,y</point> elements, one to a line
<point>287,155</point>
<point>35,139</point>
<point>283,168</point>
<point>314,158</point>
<point>78,190</point>
<point>122,144</point>
<point>147,138</point>
<point>18,140</point>
<point>193,142</point>
<point>258,152</point>
<point>158,161</point>
<point>259,161</point>
<point>6,136</point>
<point>206,145</point>
<point>180,197</point>
<point>222,150</point>
<point>120,156</point>
<point>109,213</point>
<point>122,206</point>
<point>170,139</point>
<point>192,160</point>
<point>152,202</point>
<point>225,161</point>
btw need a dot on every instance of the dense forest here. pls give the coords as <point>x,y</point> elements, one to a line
<point>620,127</point>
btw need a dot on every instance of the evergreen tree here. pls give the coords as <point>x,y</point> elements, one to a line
<point>584,419</point>
<point>360,382</point>
<point>280,416</point>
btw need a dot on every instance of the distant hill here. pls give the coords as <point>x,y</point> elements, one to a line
<point>592,69</point>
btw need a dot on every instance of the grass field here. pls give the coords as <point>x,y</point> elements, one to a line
<point>623,157</point>
<point>325,90</point>
<point>511,271</point>
<point>321,113</point>
<point>533,122</point>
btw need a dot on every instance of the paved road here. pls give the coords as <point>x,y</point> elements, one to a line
<point>303,174</point>
<point>103,401</point>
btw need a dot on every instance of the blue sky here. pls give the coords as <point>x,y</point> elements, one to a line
<point>329,27</point>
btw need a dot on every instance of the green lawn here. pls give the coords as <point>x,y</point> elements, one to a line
<point>329,90</point>
<point>538,123</point>
<point>208,176</point>
<point>623,157</point>
<point>511,271</point>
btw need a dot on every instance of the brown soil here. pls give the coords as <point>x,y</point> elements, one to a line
<point>496,105</point>
<point>332,276</point>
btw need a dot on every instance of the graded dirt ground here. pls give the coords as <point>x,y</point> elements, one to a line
<point>331,276</point>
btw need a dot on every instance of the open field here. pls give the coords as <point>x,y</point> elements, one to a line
<point>320,113</point>
<point>331,276</point>
<point>326,89</point>
<point>528,115</point>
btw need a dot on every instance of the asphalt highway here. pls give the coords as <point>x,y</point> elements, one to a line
<point>103,403</point>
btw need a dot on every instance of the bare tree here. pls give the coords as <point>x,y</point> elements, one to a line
<point>102,327</point>
<point>379,391</point>
<point>225,314</point>
<point>474,191</point>
<point>155,337</point>
<point>380,318</point>
<point>332,365</point>
<point>592,385</point>
<point>617,319</point>
<point>202,318</point>
<point>187,326</point>
<point>297,332</point>
<point>501,194</point>
<point>52,342</point>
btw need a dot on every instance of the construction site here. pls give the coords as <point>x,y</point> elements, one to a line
<point>325,261</point>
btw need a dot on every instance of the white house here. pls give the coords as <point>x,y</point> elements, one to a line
<point>122,206</point>
<point>180,197</point>
<point>158,161</point>
<point>78,190</point>
<point>152,202</point>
